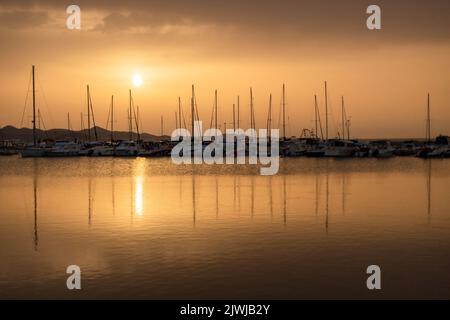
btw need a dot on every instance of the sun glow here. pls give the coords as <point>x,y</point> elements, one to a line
<point>137,80</point>
<point>139,171</point>
<point>138,196</point>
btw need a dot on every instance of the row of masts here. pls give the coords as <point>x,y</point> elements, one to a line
<point>133,116</point>
<point>344,132</point>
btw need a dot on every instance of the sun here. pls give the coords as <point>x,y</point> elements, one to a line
<point>137,80</point>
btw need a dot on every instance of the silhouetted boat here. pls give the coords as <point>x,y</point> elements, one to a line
<point>35,149</point>
<point>127,149</point>
<point>104,150</point>
<point>407,148</point>
<point>439,149</point>
<point>339,148</point>
<point>63,148</point>
<point>381,149</point>
<point>8,148</point>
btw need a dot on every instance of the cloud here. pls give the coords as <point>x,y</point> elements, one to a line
<point>117,21</point>
<point>20,19</point>
<point>294,20</point>
<point>148,23</point>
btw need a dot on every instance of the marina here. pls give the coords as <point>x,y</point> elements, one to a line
<point>314,142</point>
<point>301,147</point>
<point>225,159</point>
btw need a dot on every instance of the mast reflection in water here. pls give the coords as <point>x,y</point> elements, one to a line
<point>144,228</point>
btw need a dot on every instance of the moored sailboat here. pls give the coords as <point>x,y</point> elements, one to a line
<point>36,149</point>
<point>129,148</point>
<point>63,148</point>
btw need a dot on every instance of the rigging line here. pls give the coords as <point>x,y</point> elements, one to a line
<point>314,121</point>
<point>279,113</point>
<point>43,125</point>
<point>83,129</point>
<point>212,116</point>
<point>288,126</point>
<point>184,119</point>
<point>320,122</point>
<point>287,115</point>
<point>26,100</point>
<point>334,121</point>
<point>196,114</point>
<point>45,100</point>
<point>196,108</point>
<point>107,121</point>
<point>280,109</point>
<point>93,118</point>
<point>140,120</point>
<point>135,119</point>
<point>71,130</point>
<point>253,114</point>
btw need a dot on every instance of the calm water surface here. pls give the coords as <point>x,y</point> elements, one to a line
<point>144,228</point>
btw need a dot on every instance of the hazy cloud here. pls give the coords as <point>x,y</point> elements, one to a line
<point>402,20</point>
<point>20,19</point>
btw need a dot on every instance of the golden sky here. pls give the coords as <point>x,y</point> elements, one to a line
<point>230,46</point>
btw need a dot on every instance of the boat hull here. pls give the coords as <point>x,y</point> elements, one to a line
<point>60,154</point>
<point>126,153</point>
<point>32,153</point>
<point>8,152</point>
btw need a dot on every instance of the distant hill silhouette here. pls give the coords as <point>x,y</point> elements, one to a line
<point>26,134</point>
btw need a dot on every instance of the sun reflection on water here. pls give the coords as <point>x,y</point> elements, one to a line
<point>139,186</point>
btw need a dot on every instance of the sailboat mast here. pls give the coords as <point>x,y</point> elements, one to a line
<point>319,122</point>
<point>269,115</point>
<point>89,112</point>
<point>93,118</point>
<point>162,126</point>
<point>234,118</point>
<point>192,112</point>
<point>138,122</point>
<point>130,122</point>
<point>284,112</point>
<point>238,121</point>
<point>69,127</point>
<point>34,107</point>
<point>326,111</point>
<point>197,117</point>
<point>136,119</point>
<point>112,118</point>
<point>192,122</point>
<point>253,114</point>
<point>343,117</point>
<point>251,109</point>
<point>179,112</point>
<point>215,109</point>
<point>315,116</point>
<point>428,133</point>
